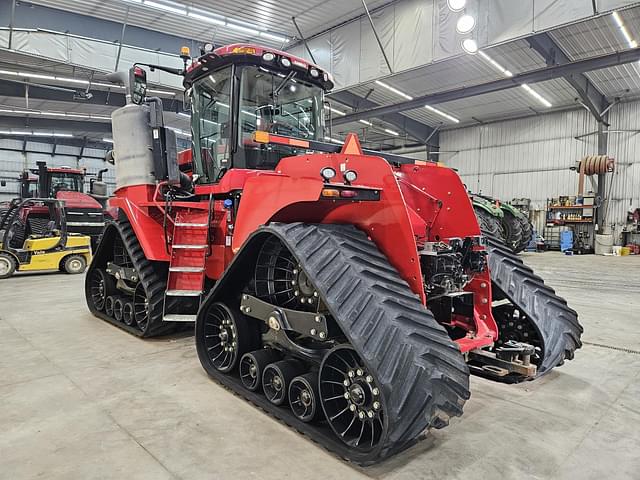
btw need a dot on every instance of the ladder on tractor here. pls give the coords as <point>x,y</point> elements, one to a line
<point>189,252</point>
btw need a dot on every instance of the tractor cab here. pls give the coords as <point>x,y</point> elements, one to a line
<point>45,182</point>
<point>28,186</point>
<point>239,90</point>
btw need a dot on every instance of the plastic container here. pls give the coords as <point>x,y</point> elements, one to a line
<point>624,251</point>
<point>617,251</point>
<point>566,241</point>
<point>604,244</point>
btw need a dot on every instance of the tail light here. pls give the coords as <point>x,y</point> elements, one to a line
<point>330,193</point>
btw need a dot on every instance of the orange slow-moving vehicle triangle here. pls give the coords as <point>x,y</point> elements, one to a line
<point>352,145</point>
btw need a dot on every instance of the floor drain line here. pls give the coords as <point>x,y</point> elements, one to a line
<point>611,347</point>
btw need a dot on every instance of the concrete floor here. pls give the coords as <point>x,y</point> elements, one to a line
<point>81,399</point>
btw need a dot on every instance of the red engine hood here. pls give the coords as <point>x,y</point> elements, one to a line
<point>78,200</point>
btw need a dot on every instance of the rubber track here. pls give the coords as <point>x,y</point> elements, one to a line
<point>555,322</point>
<point>423,377</point>
<point>153,284</point>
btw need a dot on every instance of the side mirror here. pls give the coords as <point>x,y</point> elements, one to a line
<point>110,157</point>
<point>186,100</point>
<point>138,84</point>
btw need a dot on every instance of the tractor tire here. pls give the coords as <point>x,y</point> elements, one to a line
<point>489,224</point>
<point>527,233</point>
<point>512,230</point>
<point>386,371</point>
<point>74,264</point>
<point>120,245</point>
<point>7,265</point>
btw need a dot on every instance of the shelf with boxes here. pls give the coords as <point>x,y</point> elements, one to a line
<point>570,223</point>
<point>580,209</point>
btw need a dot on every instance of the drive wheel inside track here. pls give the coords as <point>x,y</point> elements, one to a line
<point>351,399</point>
<point>227,336</point>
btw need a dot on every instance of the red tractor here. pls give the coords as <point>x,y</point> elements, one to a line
<point>85,211</point>
<point>348,293</point>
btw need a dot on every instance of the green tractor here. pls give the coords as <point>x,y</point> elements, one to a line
<point>504,221</point>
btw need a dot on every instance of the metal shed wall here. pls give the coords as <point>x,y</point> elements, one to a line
<point>530,157</point>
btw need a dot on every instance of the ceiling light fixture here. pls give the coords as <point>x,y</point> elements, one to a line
<point>537,96</point>
<point>391,132</point>
<point>394,90</point>
<point>456,5</point>
<point>499,67</point>
<point>210,17</point>
<point>630,41</point>
<point>337,112</point>
<point>275,38</point>
<point>241,28</point>
<point>465,24</point>
<point>22,133</point>
<point>28,75</point>
<point>442,114</point>
<point>470,46</point>
<point>45,113</point>
<point>107,140</point>
<point>205,16</point>
<point>334,140</point>
<point>172,7</point>
<point>369,124</point>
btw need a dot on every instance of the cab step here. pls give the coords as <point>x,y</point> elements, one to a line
<point>190,247</point>
<point>187,269</point>
<point>183,293</point>
<point>175,317</point>
<point>190,225</point>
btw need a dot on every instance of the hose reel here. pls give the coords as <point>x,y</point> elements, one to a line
<point>593,165</point>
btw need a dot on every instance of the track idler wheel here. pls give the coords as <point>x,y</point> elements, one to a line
<point>277,377</point>
<point>109,305</point>
<point>227,336</point>
<point>127,313</point>
<point>351,399</point>
<point>101,285</point>
<point>303,397</point>
<point>118,305</point>
<point>252,366</point>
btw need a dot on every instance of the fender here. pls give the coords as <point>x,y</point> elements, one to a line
<point>294,196</point>
<point>133,202</point>
<point>488,207</point>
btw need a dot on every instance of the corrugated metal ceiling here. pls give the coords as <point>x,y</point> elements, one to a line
<point>273,15</point>
<point>581,40</point>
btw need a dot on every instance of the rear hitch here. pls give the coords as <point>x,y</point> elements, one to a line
<point>510,358</point>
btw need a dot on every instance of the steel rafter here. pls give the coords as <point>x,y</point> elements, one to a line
<point>534,76</point>
<point>591,97</point>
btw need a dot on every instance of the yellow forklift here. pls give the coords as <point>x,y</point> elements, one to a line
<point>34,237</point>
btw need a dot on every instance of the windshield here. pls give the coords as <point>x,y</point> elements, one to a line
<point>65,181</point>
<point>280,104</point>
<point>210,117</point>
<point>265,100</point>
